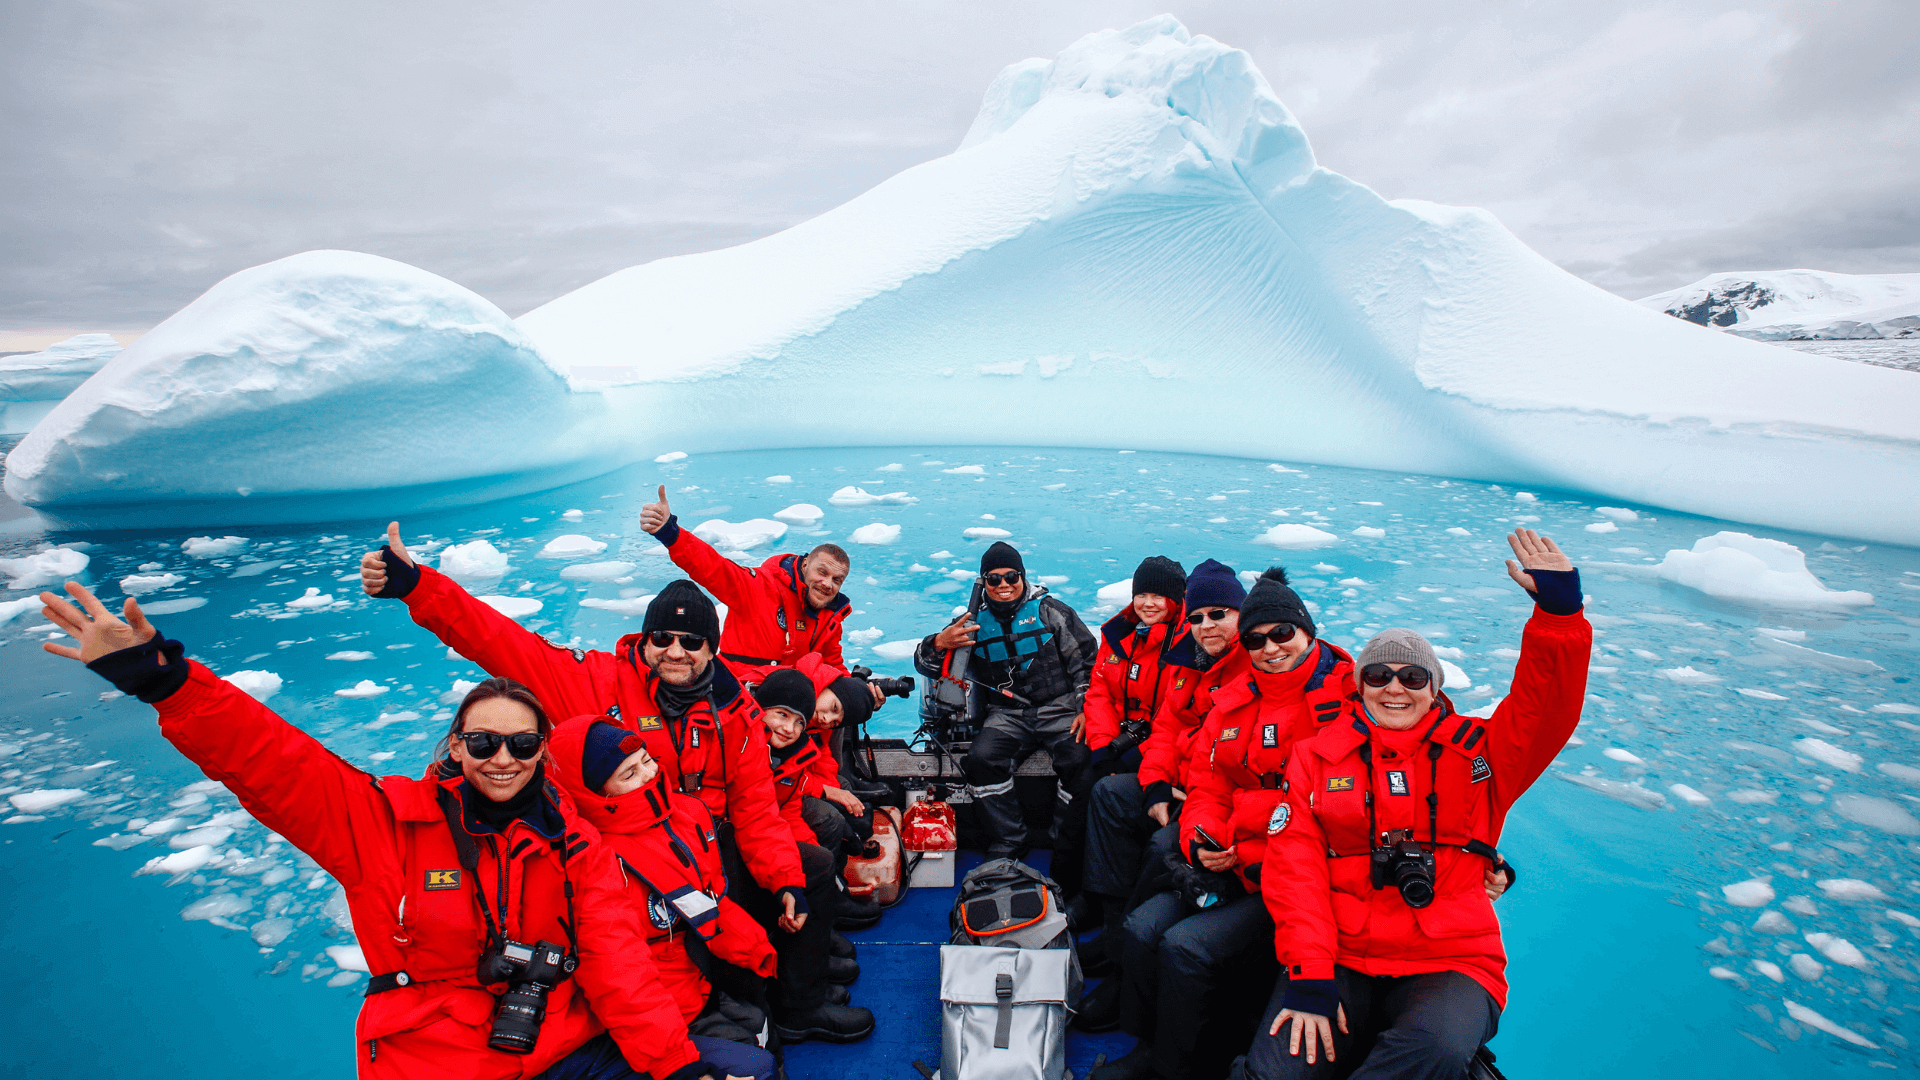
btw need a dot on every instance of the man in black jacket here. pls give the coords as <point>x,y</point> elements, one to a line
<point>1032,657</point>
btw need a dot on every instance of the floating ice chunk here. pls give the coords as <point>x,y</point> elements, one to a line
<point>1726,974</point>
<point>1772,922</point>
<point>1607,527</point>
<point>1458,531</point>
<point>457,693</point>
<point>1904,919</point>
<point>876,533</point>
<point>174,607</point>
<point>217,906</point>
<point>1525,497</point>
<point>180,862</point>
<point>858,496</point>
<point>671,456</point>
<point>161,827</point>
<point>573,546</point>
<point>1783,635</point>
<point>892,467</point>
<point>1828,754</point>
<point>985,532</point>
<point>11,609</point>
<point>474,561</point>
<point>1755,892</point>
<point>573,515</point>
<point>1369,532</point>
<point>513,607</point>
<point>312,599</point>
<point>1897,707</point>
<point>386,719</point>
<point>1688,795</point>
<point>1806,967</point>
<point>1752,797</point>
<point>1770,970</point>
<point>351,655</point>
<point>212,547</point>
<point>1839,950</point>
<point>1295,537</point>
<point>1904,773</point>
<point>966,470</point>
<point>1633,794</point>
<point>33,802</point>
<point>598,571</point>
<point>258,685</point>
<point>1617,513</point>
<point>865,637</point>
<point>1051,580</point>
<point>801,515</point>
<point>1856,665</point>
<point>1622,756</point>
<point>1850,890</point>
<point>631,607</point>
<point>729,536</point>
<point>347,957</point>
<point>195,837</point>
<point>1876,812</point>
<point>1118,592</point>
<point>1456,677</point>
<point>268,933</point>
<point>1687,676</point>
<point>365,688</point>
<point>1749,569</point>
<point>119,841</point>
<point>782,479</point>
<point>1759,695</point>
<point>142,584</point>
<point>47,567</point>
<point>1800,905</point>
<point>896,650</point>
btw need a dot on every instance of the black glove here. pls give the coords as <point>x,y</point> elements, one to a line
<point>401,576</point>
<point>138,671</point>
<point>1557,591</point>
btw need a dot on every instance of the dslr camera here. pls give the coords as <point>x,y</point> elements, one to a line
<point>1400,861</point>
<point>1132,734</point>
<point>900,688</point>
<point>530,972</point>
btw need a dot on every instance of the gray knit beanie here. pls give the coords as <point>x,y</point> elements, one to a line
<point>1401,646</point>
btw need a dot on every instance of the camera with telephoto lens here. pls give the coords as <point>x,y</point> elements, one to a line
<point>1132,734</point>
<point>530,972</point>
<point>900,688</point>
<point>1400,861</point>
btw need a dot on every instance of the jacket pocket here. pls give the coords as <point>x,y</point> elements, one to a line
<point>1458,915</point>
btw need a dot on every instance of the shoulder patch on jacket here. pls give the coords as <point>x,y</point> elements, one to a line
<point>1179,682</point>
<point>1282,813</point>
<point>1339,783</point>
<point>441,879</point>
<point>647,723</point>
<point>1481,770</point>
<point>1229,734</point>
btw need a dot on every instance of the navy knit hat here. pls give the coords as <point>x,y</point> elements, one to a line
<point>1213,584</point>
<point>787,689</point>
<point>856,701</point>
<point>1160,576</point>
<point>1002,556</point>
<point>605,747</point>
<point>1274,601</point>
<point>682,607</point>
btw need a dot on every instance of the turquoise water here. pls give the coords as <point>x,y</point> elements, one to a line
<point>1615,929</point>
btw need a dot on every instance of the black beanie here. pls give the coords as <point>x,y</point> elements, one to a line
<point>1213,584</point>
<point>856,701</point>
<point>787,689</point>
<point>1002,556</point>
<point>1160,576</point>
<point>602,751</point>
<point>1271,600</point>
<point>681,606</point>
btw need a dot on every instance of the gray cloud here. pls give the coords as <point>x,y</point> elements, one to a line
<point>152,148</point>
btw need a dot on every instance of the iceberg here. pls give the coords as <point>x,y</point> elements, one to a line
<point>31,384</point>
<point>323,385</point>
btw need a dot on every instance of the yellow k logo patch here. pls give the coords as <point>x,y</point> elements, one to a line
<point>443,879</point>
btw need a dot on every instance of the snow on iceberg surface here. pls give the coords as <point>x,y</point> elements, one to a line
<point>294,391</point>
<point>1142,217</point>
<point>31,384</point>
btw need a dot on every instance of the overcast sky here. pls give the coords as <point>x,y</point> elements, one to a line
<point>150,147</point>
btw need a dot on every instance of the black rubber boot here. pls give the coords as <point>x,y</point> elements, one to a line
<point>856,913</point>
<point>828,1023</point>
<point>839,946</point>
<point>841,971</point>
<point>838,995</point>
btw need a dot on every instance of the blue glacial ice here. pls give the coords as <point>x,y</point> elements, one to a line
<point>1138,219</point>
<point>31,384</point>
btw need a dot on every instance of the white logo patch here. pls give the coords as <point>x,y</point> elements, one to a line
<point>1282,814</point>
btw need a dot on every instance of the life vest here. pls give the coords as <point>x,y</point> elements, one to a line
<point>1014,641</point>
<point>1018,656</point>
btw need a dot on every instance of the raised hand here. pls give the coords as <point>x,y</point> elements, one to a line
<point>654,515</point>
<point>956,635</point>
<point>1535,552</point>
<point>373,569</point>
<point>96,629</point>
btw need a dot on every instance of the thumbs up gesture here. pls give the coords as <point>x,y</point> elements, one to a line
<point>373,568</point>
<point>654,515</point>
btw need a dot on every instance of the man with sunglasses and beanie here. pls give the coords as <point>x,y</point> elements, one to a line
<point>1378,855</point>
<point>698,723</point>
<point>1031,662</point>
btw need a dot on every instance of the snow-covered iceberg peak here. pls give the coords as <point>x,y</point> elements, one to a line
<point>320,385</point>
<point>1141,219</point>
<point>32,383</point>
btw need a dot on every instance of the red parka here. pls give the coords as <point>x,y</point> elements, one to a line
<point>1131,678</point>
<point>664,842</point>
<point>1317,885</point>
<point>1256,724</point>
<point>417,908</point>
<point>718,753</point>
<point>823,767</point>
<point>769,624</point>
<point>796,777</point>
<point>1166,757</point>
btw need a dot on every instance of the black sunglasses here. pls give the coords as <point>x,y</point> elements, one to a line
<point>664,639</point>
<point>1379,675</point>
<point>482,745</point>
<point>1254,641</point>
<point>1007,578</point>
<point>1218,614</point>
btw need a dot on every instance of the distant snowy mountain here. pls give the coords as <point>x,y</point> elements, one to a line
<point>1799,305</point>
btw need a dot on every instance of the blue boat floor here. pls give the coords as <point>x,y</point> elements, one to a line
<point>900,982</point>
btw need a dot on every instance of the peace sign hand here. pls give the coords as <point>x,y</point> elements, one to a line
<point>97,630</point>
<point>654,515</point>
<point>1535,552</point>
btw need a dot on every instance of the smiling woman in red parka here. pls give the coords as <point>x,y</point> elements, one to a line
<point>1377,856</point>
<point>490,863</point>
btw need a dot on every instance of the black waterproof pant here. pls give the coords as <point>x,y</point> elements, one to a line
<point>1174,969</point>
<point>1008,737</point>
<point>802,982</point>
<point>1408,1027</point>
<point>1119,833</point>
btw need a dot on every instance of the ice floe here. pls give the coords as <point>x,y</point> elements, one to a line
<point>258,685</point>
<point>740,536</point>
<point>49,566</point>
<point>876,533</point>
<point>572,546</point>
